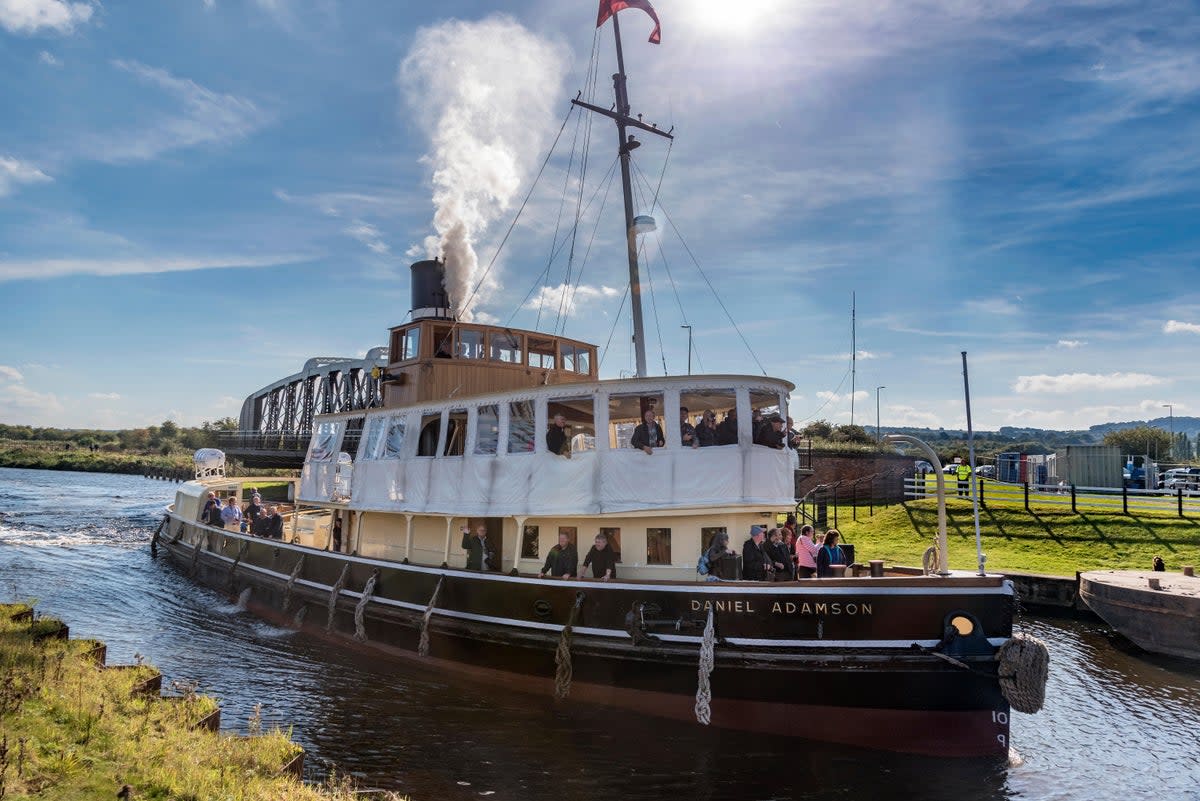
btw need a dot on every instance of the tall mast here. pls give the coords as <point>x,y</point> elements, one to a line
<point>625,144</point>
<point>853,351</point>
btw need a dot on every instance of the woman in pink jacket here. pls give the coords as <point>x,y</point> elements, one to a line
<point>806,553</point>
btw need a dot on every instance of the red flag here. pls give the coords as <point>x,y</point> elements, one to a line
<point>610,7</point>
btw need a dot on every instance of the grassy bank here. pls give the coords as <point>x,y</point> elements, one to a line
<point>72,731</point>
<point>47,456</point>
<point>1049,539</point>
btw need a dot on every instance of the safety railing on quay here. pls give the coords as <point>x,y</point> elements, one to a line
<point>1180,501</point>
<point>826,505</point>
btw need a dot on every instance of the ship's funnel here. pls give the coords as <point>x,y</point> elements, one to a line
<point>429,297</point>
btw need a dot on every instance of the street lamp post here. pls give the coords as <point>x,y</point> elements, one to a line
<point>877,430</point>
<point>689,329</point>
<point>1170,407</point>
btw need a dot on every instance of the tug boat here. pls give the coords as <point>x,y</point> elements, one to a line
<point>373,545</point>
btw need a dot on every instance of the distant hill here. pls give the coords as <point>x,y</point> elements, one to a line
<point>1188,425</point>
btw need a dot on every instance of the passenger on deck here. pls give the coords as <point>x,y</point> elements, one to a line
<point>687,432</point>
<point>231,515</point>
<point>830,554</point>
<point>558,440</point>
<point>754,556</point>
<point>706,429</point>
<point>649,434</point>
<point>602,559</point>
<point>777,553</point>
<point>806,553</point>
<point>562,561</point>
<point>480,554</point>
<point>756,422</point>
<point>254,508</point>
<point>713,563</point>
<point>274,528</point>
<point>770,433</point>
<point>260,525</point>
<point>211,515</point>
<point>727,431</point>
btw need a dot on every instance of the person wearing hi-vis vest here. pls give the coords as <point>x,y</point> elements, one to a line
<point>964,479</point>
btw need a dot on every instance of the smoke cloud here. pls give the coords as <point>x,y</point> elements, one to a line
<point>485,93</point>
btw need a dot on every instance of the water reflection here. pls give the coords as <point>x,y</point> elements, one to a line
<point>1115,723</point>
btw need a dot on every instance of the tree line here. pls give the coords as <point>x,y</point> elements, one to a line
<point>166,438</point>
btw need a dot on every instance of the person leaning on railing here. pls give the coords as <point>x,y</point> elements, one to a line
<point>830,554</point>
<point>806,553</point>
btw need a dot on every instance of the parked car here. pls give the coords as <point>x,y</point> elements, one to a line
<point>1185,478</point>
<point>986,471</point>
<point>950,469</point>
<point>922,467</point>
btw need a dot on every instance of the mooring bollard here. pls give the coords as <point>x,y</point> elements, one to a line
<point>1155,584</point>
<point>876,568</point>
<point>1189,570</point>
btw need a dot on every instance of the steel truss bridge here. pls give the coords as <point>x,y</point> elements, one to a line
<point>276,422</point>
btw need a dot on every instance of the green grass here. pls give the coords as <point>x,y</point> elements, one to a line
<point>73,731</point>
<point>1048,539</point>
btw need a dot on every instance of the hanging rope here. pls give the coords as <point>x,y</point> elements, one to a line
<point>334,592</point>
<point>1024,668</point>
<point>588,252</point>
<point>562,656</point>
<point>616,322</point>
<point>703,687</point>
<point>360,611</point>
<point>930,562</point>
<point>423,643</point>
<point>291,582</point>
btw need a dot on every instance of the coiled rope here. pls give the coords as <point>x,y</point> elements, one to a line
<point>291,582</point>
<point>360,629</point>
<point>703,687</point>
<point>1024,667</point>
<point>334,592</point>
<point>930,562</point>
<point>562,656</point>
<point>423,643</point>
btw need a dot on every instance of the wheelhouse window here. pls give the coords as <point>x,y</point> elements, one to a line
<point>520,427</point>
<point>529,542</point>
<point>324,441</point>
<point>658,546</point>
<point>470,344</point>
<point>456,433</point>
<point>626,412</point>
<point>408,344</point>
<point>541,353</point>
<point>506,348</point>
<point>579,414</point>
<point>443,342</point>
<point>707,411</point>
<point>487,430</point>
<point>576,358</point>
<point>614,541</point>
<point>393,443</point>
<point>431,429</point>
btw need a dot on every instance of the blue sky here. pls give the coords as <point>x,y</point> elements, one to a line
<point>197,196</point>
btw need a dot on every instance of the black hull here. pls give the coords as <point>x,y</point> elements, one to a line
<point>832,660</point>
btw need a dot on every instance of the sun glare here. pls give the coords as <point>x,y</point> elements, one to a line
<point>736,17</point>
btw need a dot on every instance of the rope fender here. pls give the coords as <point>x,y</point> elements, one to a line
<point>291,582</point>
<point>157,532</point>
<point>703,687</point>
<point>562,655</point>
<point>1024,667</point>
<point>334,592</point>
<point>423,642</point>
<point>360,630</point>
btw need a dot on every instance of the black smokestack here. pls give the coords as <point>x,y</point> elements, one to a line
<point>429,298</point>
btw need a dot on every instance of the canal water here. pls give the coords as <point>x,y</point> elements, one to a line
<point>1117,725</point>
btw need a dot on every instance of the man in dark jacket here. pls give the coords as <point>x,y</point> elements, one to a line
<point>480,554</point>
<point>274,524</point>
<point>557,440</point>
<point>563,559</point>
<point>706,429</point>
<point>770,433</point>
<point>727,433</point>
<point>687,432</point>
<point>649,434</point>
<point>754,556</point>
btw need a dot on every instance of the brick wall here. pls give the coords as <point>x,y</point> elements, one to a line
<point>828,468</point>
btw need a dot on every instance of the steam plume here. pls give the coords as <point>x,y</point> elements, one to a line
<point>484,92</point>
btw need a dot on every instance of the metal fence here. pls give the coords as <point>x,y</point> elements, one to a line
<point>826,505</point>
<point>1179,501</point>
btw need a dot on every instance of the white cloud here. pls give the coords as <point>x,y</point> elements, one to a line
<point>56,268</point>
<point>1083,382</point>
<point>369,236</point>
<point>1071,344</point>
<point>32,16</point>
<point>104,395</point>
<point>1158,408</point>
<point>993,306</point>
<point>17,399</point>
<point>1177,327</point>
<point>206,117</point>
<point>550,298</point>
<point>13,173</point>
<point>834,397</point>
<point>47,58</point>
<point>11,373</point>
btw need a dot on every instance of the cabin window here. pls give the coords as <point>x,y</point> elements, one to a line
<point>393,443</point>
<point>410,344</point>
<point>763,404</point>
<point>706,536</point>
<point>529,543</point>
<point>324,441</point>
<point>541,353</point>
<point>431,429</point>
<point>583,360</point>
<point>625,413</point>
<point>658,546</point>
<point>487,430</point>
<point>568,357</point>
<point>443,342</point>
<point>580,417</point>
<point>456,433</point>
<point>520,427</point>
<point>614,541</point>
<point>352,436</point>
<point>717,404</point>
<point>470,344</point>
<point>372,438</point>
<point>506,348</point>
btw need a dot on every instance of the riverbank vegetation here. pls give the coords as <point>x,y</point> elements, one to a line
<point>1046,539</point>
<point>73,730</point>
